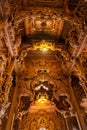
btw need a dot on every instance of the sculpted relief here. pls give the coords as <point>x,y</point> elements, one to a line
<point>40,74</point>
<point>44,121</point>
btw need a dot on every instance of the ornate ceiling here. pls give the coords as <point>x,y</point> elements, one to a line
<point>43,65</point>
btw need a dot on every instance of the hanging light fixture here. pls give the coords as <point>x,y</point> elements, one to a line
<point>42,102</point>
<point>44,46</point>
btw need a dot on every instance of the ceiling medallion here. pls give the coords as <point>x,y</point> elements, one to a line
<point>44,46</point>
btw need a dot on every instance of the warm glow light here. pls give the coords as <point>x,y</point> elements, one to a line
<point>42,102</point>
<point>44,49</point>
<point>44,46</point>
<point>42,99</point>
<point>42,128</point>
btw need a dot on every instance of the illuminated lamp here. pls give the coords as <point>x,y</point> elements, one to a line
<point>44,46</point>
<point>42,103</point>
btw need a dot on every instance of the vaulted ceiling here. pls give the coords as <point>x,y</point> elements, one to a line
<point>43,55</point>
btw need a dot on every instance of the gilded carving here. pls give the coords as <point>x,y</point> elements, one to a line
<point>42,119</point>
<point>46,44</point>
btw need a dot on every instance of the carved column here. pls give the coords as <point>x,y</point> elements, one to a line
<point>83,82</point>
<point>7,40</point>
<point>8,83</point>
<point>76,107</point>
<point>82,40</point>
<point>9,125</point>
<point>82,77</point>
<point>3,62</point>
